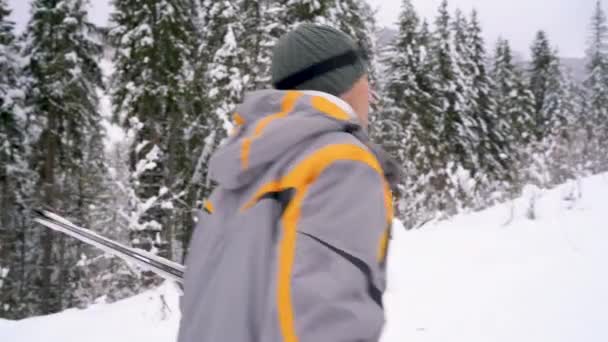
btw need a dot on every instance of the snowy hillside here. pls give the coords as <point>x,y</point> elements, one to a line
<point>496,275</point>
<point>499,276</point>
<point>150,317</point>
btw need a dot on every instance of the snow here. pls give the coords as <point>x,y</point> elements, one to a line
<point>495,275</point>
<point>114,133</point>
<point>144,317</point>
<point>70,21</point>
<point>499,276</point>
<point>3,274</point>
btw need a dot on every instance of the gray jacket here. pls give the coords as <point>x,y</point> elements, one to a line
<point>292,244</point>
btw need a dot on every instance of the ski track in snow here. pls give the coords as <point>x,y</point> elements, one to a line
<point>494,275</point>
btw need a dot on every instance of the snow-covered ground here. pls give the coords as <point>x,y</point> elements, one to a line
<point>149,317</point>
<point>495,275</point>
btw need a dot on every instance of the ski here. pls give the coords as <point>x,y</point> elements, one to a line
<point>165,268</point>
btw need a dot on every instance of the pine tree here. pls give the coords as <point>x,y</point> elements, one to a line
<point>223,71</point>
<point>455,162</point>
<point>492,148</point>
<point>11,116</point>
<point>401,91</point>
<point>596,85</point>
<point>544,73</point>
<point>356,19</point>
<point>297,12</point>
<point>565,151</point>
<point>104,277</point>
<point>262,28</point>
<point>63,78</point>
<point>16,177</point>
<point>464,72</point>
<point>552,112</point>
<point>515,105</point>
<point>154,98</point>
<point>407,124</point>
<point>227,71</point>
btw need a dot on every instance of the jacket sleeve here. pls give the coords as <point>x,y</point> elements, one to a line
<point>336,280</point>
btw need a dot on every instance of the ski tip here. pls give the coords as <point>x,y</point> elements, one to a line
<point>39,212</point>
<point>44,211</point>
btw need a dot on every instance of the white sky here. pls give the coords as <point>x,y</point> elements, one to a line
<point>566,21</point>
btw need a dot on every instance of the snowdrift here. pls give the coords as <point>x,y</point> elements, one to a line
<point>534,269</point>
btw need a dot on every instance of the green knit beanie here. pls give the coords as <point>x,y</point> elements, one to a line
<point>317,57</point>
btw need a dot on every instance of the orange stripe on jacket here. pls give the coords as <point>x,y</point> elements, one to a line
<point>287,105</point>
<point>209,207</point>
<point>388,205</point>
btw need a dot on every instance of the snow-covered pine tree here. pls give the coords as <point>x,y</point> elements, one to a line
<point>544,72</point>
<point>455,163</point>
<point>264,22</point>
<point>400,91</point>
<point>356,18</point>
<point>515,104</point>
<point>227,72</point>
<point>464,72</point>
<point>407,124</point>
<point>557,106</point>
<point>492,149</point>
<point>222,73</point>
<point>106,278</point>
<point>63,76</point>
<point>463,60</point>
<point>153,98</point>
<point>596,87</point>
<point>551,115</point>
<point>305,11</point>
<point>16,177</point>
<point>565,150</point>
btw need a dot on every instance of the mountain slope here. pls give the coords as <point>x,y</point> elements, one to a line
<point>499,276</point>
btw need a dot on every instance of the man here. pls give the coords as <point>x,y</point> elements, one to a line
<point>292,244</point>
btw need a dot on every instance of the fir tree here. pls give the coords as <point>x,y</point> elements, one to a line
<point>544,73</point>
<point>552,111</point>
<point>105,277</point>
<point>223,72</point>
<point>464,72</point>
<point>227,69</point>
<point>454,161</point>
<point>565,150</point>
<point>407,124</point>
<point>356,19</point>
<point>403,59</point>
<point>596,85</point>
<point>154,98</point>
<point>16,177</point>
<point>515,106</point>
<point>63,78</point>
<point>492,148</point>
<point>262,27</point>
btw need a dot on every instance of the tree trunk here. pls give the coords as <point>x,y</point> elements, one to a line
<point>48,181</point>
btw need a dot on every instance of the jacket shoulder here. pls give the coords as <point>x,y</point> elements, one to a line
<point>330,139</point>
<point>323,151</point>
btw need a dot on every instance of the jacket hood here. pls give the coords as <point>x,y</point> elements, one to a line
<point>269,123</point>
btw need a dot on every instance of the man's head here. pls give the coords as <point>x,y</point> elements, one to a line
<point>318,57</point>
